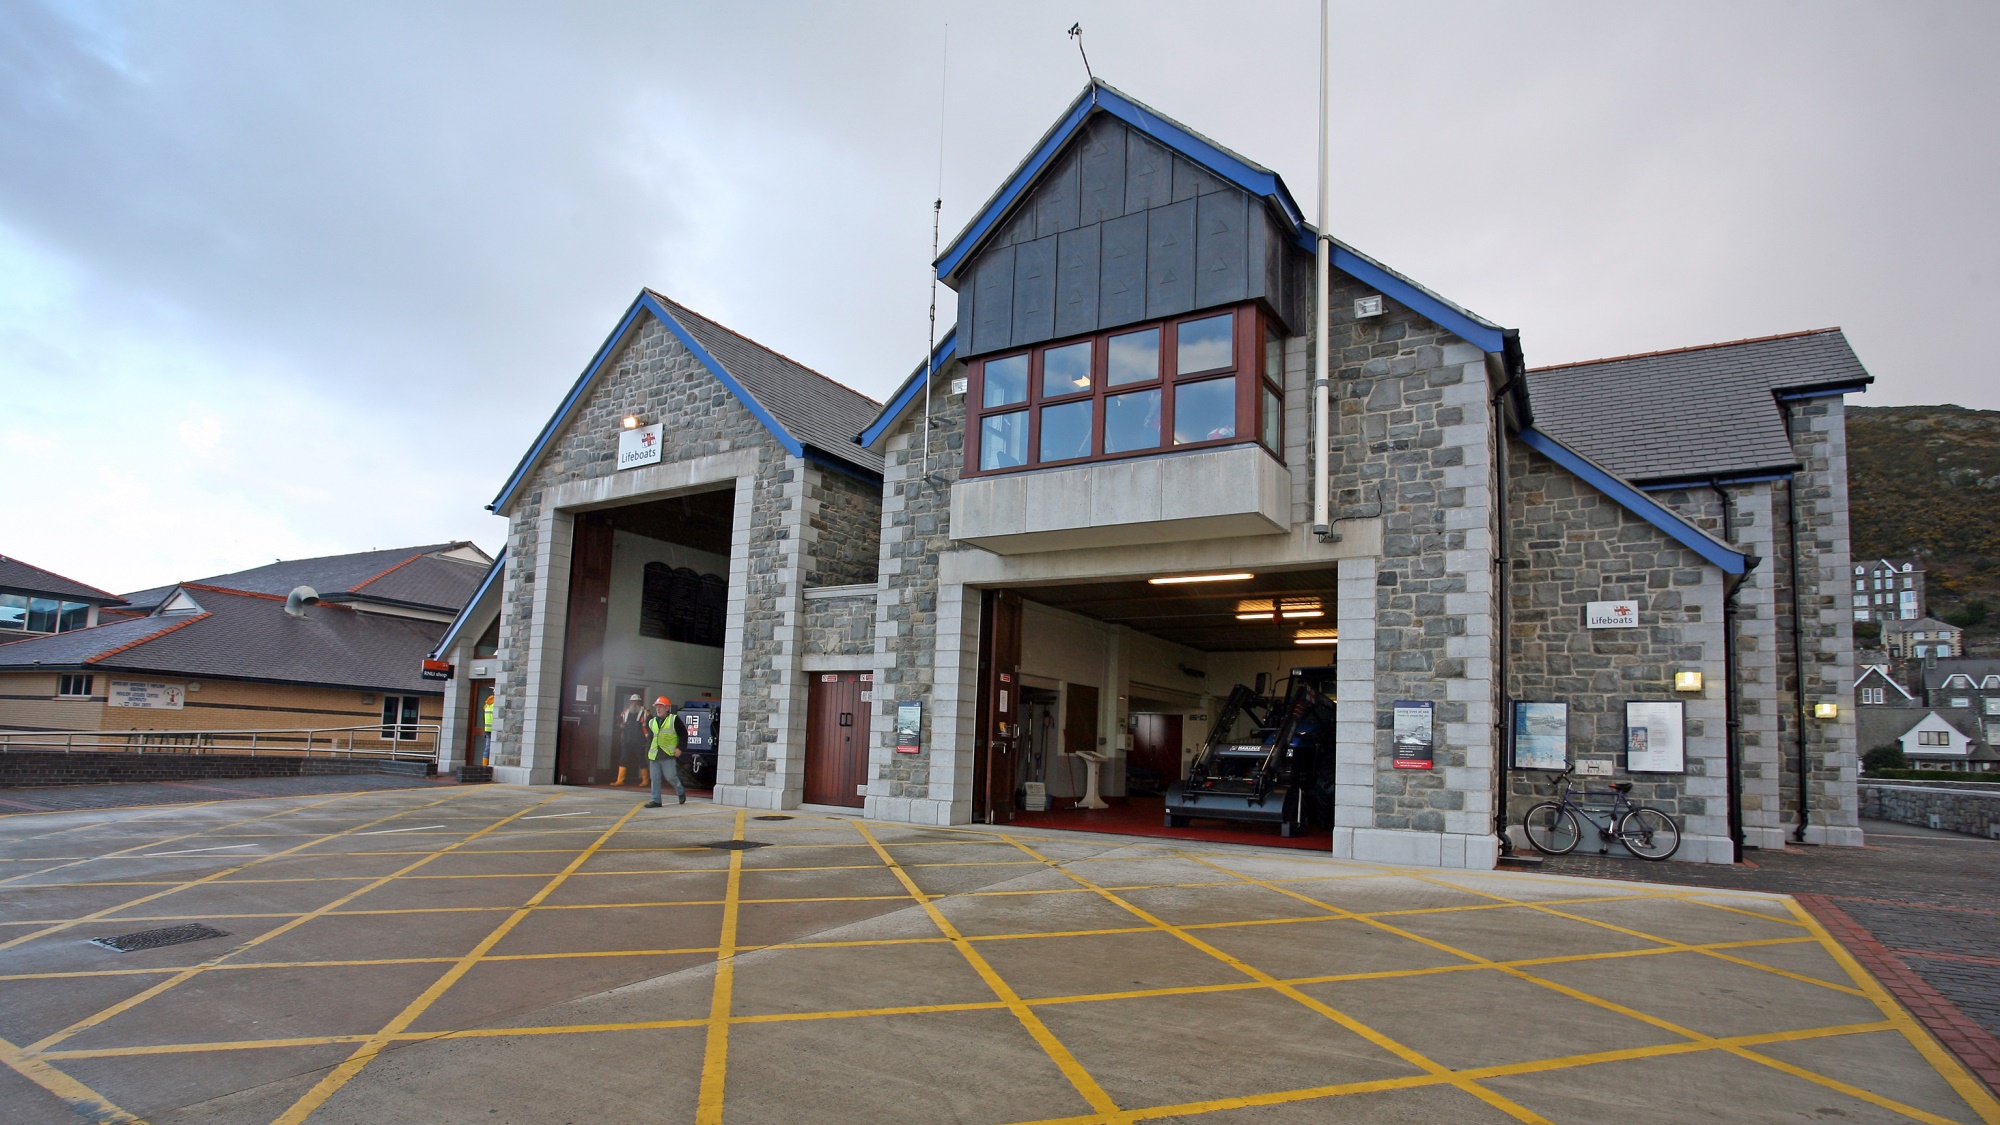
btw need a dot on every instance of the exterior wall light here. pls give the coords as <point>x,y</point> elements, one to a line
<point>1826,710</point>
<point>631,421</point>
<point>1687,681</point>
<point>1179,579</point>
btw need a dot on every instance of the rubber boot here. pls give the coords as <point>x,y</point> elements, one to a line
<point>621,776</point>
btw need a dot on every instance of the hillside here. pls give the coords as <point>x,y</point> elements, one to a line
<point>1925,480</point>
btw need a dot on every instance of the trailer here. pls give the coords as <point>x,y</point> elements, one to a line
<point>1268,758</point>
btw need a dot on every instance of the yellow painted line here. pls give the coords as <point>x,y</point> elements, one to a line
<point>210,878</point>
<point>1408,1054</point>
<point>1065,1061</point>
<point>177,979</point>
<point>81,1099</point>
<point>1943,1061</point>
<point>366,1052</point>
<point>715,1047</point>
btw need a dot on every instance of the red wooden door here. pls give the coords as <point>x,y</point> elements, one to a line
<point>998,732</point>
<point>1156,746</point>
<point>583,651</point>
<point>837,720</point>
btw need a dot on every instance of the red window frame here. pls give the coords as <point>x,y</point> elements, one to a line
<point>1249,329</point>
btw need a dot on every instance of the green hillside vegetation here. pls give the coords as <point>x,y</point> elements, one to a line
<point>1925,480</point>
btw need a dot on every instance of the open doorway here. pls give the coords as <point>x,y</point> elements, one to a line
<point>648,596</point>
<point>1135,674</point>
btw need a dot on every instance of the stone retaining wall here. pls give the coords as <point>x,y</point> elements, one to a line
<point>1972,811</point>
<point>23,768</point>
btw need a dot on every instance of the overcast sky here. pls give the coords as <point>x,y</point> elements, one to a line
<point>279,280</point>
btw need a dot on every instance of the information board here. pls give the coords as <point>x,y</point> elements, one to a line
<point>134,693</point>
<point>1541,736</point>
<point>1414,741</point>
<point>1655,738</point>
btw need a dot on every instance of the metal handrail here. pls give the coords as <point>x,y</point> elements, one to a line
<point>284,741</point>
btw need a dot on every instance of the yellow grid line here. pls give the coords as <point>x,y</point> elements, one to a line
<point>715,1045</point>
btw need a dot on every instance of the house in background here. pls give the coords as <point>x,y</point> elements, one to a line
<point>1940,741</point>
<point>1876,687</point>
<point>1889,590</point>
<point>1923,638</point>
<point>35,602</point>
<point>229,653</point>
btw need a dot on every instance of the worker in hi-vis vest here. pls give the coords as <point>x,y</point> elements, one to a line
<point>663,754</point>
<point>486,731</point>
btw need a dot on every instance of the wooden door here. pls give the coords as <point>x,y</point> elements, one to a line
<point>1156,746</point>
<point>583,651</point>
<point>1080,720</point>
<point>997,735</point>
<point>475,722</point>
<point>837,720</point>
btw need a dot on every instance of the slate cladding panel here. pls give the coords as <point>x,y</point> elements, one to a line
<point>1118,230</point>
<point>656,376</point>
<point>1572,545</point>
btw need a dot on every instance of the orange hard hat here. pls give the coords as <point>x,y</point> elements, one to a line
<point>663,701</point>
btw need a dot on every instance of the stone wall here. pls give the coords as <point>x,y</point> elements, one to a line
<point>1826,618</point>
<point>841,626</point>
<point>1969,810</point>
<point>1571,545</point>
<point>916,530</point>
<point>843,528</point>
<point>655,376</point>
<point>1414,445</point>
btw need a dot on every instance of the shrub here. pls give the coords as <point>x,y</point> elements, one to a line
<point>1885,758</point>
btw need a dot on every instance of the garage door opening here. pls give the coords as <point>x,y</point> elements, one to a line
<point>1136,674</point>
<point>648,597</point>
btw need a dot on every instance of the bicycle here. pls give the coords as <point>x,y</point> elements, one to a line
<point>1553,827</point>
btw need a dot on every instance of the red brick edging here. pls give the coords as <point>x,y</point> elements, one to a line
<point>1974,1045</point>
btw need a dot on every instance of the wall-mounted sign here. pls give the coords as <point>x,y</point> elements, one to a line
<point>641,446</point>
<point>1414,728</point>
<point>909,727</point>
<point>1655,738</point>
<point>1541,736</point>
<point>1611,615</point>
<point>436,670</point>
<point>133,693</point>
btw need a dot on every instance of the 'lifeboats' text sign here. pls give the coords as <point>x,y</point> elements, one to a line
<point>1611,615</point>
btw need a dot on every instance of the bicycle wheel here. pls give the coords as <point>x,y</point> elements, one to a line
<point>1552,828</point>
<point>1649,834</point>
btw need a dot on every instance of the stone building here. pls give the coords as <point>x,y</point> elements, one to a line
<point>1923,638</point>
<point>1889,589</point>
<point>1098,506</point>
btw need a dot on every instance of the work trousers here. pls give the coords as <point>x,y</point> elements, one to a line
<point>666,767</point>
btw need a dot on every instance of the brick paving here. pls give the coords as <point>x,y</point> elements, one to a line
<point>70,798</point>
<point>1919,908</point>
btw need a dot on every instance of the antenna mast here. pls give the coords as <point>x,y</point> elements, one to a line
<point>1322,387</point>
<point>937,212</point>
<point>1076,33</point>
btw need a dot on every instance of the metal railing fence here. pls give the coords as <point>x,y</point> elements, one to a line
<point>395,741</point>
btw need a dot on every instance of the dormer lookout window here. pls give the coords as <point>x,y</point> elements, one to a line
<point>1207,379</point>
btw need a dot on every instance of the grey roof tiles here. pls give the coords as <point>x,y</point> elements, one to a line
<point>26,578</point>
<point>1692,412</point>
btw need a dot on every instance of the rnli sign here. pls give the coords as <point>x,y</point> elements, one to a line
<point>641,446</point>
<point>1612,615</point>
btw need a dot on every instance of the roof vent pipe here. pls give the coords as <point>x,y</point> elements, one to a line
<point>300,597</point>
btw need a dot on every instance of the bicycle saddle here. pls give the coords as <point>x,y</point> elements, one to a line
<point>1622,786</point>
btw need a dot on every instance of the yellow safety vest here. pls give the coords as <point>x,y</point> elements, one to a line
<point>488,717</point>
<point>665,737</point>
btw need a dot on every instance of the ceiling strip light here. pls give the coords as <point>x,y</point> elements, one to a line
<point>1178,579</point>
<point>1255,616</point>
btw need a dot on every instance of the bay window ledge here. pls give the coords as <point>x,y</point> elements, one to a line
<point>1201,494</point>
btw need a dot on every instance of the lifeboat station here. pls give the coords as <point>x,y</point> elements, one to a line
<point>1164,539</point>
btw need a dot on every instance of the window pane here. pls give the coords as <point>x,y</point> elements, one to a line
<point>1007,380</point>
<point>1205,344</point>
<point>42,615</point>
<point>1205,411</point>
<point>1066,431</point>
<point>1132,421</point>
<point>75,615</point>
<point>390,705</point>
<point>1274,420</point>
<point>1133,358</point>
<point>1274,355</point>
<point>13,611</point>
<point>1066,370</point>
<point>1003,440</point>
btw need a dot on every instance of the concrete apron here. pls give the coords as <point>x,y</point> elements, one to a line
<point>501,954</point>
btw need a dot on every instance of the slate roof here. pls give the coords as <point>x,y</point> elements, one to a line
<point>404,575</point>
<point>818,411</point>
<point>244,636</point>
<point>1975,670</point>
<point>1919,625</point>
<point>26,578</point>
<point>1692,412</point>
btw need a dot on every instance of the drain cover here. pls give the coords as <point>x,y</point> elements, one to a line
<point>736,845</point>
<point>774,816</point>
<point>154,939</point>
